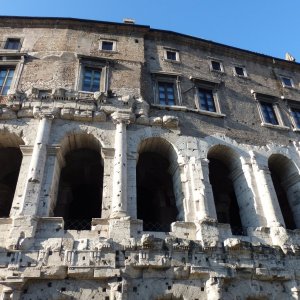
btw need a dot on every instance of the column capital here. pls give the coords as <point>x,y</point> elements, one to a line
<point>108,152</point>
<point>26,150</point>
<point>124,117</point>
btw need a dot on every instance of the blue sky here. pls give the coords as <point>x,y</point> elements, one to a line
<point>270,27</point>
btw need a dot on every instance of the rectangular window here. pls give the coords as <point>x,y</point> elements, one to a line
<point>296,116</point>
<point>287,82</point>
<point>216,66</point>
<point>6,76</point>
<point>268,112</point>
<point>13,44</point>
<point>171,55</point>
<point>166,93</point>
<point>107,45</point>
<point>240,71</point>
<point>206,100</point>
<point>91,80</point>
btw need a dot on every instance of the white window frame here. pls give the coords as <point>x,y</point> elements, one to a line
<point>293,104</point>
<point>92,63</point>
<point>114,45</point>
<point>168,78</point>
<point>217,61</point>
<point>177,57</point>
<point>287,86</point>
<point>244,71</point>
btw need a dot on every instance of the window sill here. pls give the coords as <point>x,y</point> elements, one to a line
<point>217,71</point>
<point>289,87</point>
<point>282,127</point>
<point>296,129</point>
<point>241,76</point>
<point>170,107</point>
<point>184,108</point>
<point>172,60</point>
<point>211,113</point>
<point>108,51</point>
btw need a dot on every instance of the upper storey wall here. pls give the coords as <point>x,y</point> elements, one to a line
<point>53,54</point>
<point>237,97</point>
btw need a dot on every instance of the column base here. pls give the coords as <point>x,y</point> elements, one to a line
<point>118,215</point>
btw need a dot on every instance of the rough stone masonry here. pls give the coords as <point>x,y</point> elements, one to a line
<point>145,164</point>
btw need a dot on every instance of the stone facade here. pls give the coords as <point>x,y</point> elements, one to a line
<point>190,148</point>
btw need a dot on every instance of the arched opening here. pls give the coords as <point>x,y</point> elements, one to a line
<point>10,163</point>
<point>222,163</point>
<point>81,183</point>
<point>158,183</point>
<point>286,181</point>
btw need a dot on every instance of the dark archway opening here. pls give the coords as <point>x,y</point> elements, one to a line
<point>156,204</point>
<point>279,172</point>
<point>10,163</point>
<point>80,189</point>
<point>224,195</point>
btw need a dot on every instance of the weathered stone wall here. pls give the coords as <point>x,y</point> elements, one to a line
<point>46,115</point>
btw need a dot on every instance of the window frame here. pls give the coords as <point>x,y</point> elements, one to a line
<point>4,43</point>
<point>293,105</point>
<point>114,45</point>
<point>94,63</point>
<point>16,61</point>
<point>214,88</point>
<point>245,74</point>
<point>163,77</point>
<point>274,101</point>
<point>284,84</point>
<point>216,61</point>
<point>177,56</point>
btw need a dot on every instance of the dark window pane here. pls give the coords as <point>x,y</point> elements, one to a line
<point>287,81</point>
<point>269,113</point>
<point>171,55</point>
<point>296,116</point>
<point>13,44</point>
<point>239,71</point>
<point>107,45</point>
<point>206,100</point>
<point>6,75</point>
<point>166,93</point>
<point>91,80</point>
<point>216,66</point>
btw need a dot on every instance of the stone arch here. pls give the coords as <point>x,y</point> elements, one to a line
<point>10,162</point>
<point>79,194</point>
<point>286,181</point>
<point>159,191</point>
<point>232,195</point>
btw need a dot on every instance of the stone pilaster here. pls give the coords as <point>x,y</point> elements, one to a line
<point>37,166</point>
<point>119,197</point>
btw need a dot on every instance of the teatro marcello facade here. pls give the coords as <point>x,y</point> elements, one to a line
<point>138,163</point>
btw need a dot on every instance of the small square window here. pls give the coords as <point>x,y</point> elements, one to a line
<point>206,100</point>
<point>216,66</point>
<point>6,76</point>
<point>13,44</point>
<point>240,71</point>
<point>107,45</point>
<point>287,82</point>
<point>268,112</point>
<point>91,79</point>
<point>171,55</point>
<point>296,116</point>
<point>166,93</point>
